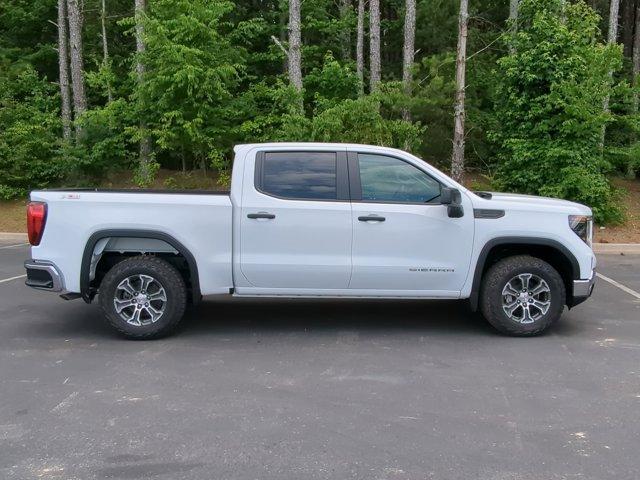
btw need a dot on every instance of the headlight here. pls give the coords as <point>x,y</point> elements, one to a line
<point>582,225</point>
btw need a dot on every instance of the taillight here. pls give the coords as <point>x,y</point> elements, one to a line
<point>36,219</point>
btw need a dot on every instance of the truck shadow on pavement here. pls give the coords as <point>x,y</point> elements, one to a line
<point>246,316</point>
<point>216,317</point>
<point>239,314</point>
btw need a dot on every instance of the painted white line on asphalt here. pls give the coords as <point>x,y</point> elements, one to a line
<point>619,285</point>
<point>13,246</point>
<point>5,280</point>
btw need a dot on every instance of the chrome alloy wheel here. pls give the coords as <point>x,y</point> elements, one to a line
<point>140,300</point>
<point>526,298</point>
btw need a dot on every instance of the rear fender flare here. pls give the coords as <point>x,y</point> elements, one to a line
<point>85,269</point>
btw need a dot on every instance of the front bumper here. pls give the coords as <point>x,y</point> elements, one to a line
<point>582,289</point>
<point>43,275</point>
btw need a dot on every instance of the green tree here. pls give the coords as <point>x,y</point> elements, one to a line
<point>372,119</point>
<point>192,73</point>
<point>29,133</point>
<point>549,113</point>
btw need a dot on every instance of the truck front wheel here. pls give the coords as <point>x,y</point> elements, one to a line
<point>143,297</point>
<point>522,295</point>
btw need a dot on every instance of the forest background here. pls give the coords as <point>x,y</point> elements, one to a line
<point>531,96</point>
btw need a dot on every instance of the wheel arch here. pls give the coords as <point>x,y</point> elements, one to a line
<point>551,251</point>
<point>88,292</point>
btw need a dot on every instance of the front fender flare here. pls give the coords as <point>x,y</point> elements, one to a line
<point>521,241</point>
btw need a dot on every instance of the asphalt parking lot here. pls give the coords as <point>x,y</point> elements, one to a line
<point>319,390</point>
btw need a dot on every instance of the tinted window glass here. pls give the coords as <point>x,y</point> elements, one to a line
<point>388,179</point>
<point>300,175</point>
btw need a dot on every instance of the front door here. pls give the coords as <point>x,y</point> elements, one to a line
<point>296,229</point>
<point>404,242</point>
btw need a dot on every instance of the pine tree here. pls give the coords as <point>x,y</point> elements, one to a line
<point>75,16</point>
<point>360,45</point>
<point>63,67</point>
<point>105,46</point>
<point>408,51</point>
<point>344,7</point>
<point>612,38</point>
<point>374,44</point>
<point>457,157</point>
<point>295,45</point>
<point>144,167</point>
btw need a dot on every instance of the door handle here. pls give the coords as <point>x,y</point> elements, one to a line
<point>269,216</point>
<point>372,218</point>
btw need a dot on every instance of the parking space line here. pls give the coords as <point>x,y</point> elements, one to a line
<point>624,288</point>
<point>4,280</point>
<point>13,246</point>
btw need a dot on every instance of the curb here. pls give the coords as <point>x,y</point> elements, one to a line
<point>13,236</point>
<point>617,248</point>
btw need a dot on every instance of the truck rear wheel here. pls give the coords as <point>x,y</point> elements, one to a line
<point>143,297</point>
<point>522,295</point>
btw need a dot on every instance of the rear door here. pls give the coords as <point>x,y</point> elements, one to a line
<point>404,242</point>
<point>296,228</point>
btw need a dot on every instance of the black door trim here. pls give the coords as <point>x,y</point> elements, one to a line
<point>487,213</point>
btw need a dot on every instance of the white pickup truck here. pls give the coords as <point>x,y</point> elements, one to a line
<point>313,220</point>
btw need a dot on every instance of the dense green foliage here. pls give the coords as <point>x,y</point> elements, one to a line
<point>215,75</point>
<point>549,106</point>
<point>193,72</point>
<point>29,134</point>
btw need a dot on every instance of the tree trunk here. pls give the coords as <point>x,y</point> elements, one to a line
<point>374,44</point>
<point>628,11</point>
<point>345,40</point>
<point>408,51</point>
<point>636,75</point>
<point>360,45</point>
<point>140,8</point>
<point>63,67</point>
<point>77,61</point>
<point>612,38</point>
<point>513,10</point>
<point>457,156</point>
<point>282,24</point>
<point>105,47</point>
<point>295,47</point>
<point>513,19</point>
<point>145,139</point>
<point>636,60</point>
<point>614,11</point>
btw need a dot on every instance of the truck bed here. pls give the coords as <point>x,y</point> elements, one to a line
<point>139,190</point>
<point>201,221</point>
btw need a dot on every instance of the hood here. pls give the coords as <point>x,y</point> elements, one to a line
<point>536,203</point>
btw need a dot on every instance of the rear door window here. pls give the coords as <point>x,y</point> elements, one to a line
<point>299,175</point>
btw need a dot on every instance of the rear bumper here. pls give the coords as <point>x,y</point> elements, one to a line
<point>582,289</point>
<point>43,275</point>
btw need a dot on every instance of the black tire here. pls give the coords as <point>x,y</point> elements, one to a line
<point>503,273</point>
<point>165,276</point>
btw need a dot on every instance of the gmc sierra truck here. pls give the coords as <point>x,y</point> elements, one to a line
<point>313,220</point>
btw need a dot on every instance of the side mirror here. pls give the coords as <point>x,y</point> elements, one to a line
<point>453,199</point>
<point>445,195</point>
